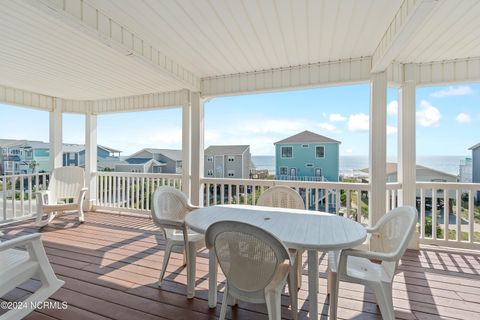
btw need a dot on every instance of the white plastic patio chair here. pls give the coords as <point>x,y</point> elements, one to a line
<point>17,266</point>
<point>392,234</point>
<point>255,263</point>
<point>169,208</point>
<point>66,191</point>
<point>285,197</point>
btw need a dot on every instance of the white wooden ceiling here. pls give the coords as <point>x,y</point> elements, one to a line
<point>41,53</point>
<point>216,37</point>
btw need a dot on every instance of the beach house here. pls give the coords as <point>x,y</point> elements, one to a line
<point>228,161</point>
<point>165,161</point>
<point>307,156</point>
<point>74,154</point>
<point>476,166</point>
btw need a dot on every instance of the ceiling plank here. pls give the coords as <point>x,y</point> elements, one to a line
<point>84,18</point>
<point>409,17</point>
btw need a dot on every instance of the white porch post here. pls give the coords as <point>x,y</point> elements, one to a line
<point>56,154</point>
<point>91,158</point>
<point>407,143</point>
<point>378,147</point>
<point>197,134</point>
<point>186,147</point>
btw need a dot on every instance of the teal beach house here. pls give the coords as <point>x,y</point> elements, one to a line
<point>307,156</point>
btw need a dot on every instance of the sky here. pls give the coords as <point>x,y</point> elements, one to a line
<point>448,121</point>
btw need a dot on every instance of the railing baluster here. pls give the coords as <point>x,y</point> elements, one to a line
<point>434,214</point>
<point>222,193</point>
<point>359,206</point>
<point>30,194</point>
<point>458,212</point>
<point>446,213</point>
<point>327,200</point>
<point>422,213</point>
<point>471,220</point>
<point>14,181</point>
<point>337,200</point>
<point>229,194</point>
<point>22,195</point>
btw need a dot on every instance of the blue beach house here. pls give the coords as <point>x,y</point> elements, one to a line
<point>307,156</point>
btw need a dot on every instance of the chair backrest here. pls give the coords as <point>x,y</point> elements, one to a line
<point>169,207</point>
<point>248,256</point>
<point>281,197</point>
<point>394,232</point>
<point>66,183</point>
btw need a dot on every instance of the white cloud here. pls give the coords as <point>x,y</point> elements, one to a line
<point>327,126</point>
<point>453,91</point>
<point>392,107</point>
<point>334,117</point>
<point>428,116</point>
<point>349,151</point>
<point>358,122</point>
<point>391,130</point>
<point>463,118</point>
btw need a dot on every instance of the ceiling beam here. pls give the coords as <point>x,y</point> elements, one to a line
<point>409,17</point>
<point>290,78</point>
<point>84,18</point>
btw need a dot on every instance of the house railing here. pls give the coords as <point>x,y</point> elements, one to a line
<point>300,178</point>
<point>348,199</point>
<point>449,214</point>
<point>17,195</point>
<point>131,192</point>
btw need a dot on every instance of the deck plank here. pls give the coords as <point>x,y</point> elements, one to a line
<point>111,264</point>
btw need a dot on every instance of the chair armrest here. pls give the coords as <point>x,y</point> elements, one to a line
<point>20,241</point>
<point>191,207</point>
<point>41,196</point>
<point>369,255</point>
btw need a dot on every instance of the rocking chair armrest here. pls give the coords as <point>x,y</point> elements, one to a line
<point>40,195</point>
<point>20,241</point>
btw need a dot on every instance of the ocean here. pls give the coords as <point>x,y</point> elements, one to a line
<point>351,164</point>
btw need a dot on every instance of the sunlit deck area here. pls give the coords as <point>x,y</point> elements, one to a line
<point>111,263</point>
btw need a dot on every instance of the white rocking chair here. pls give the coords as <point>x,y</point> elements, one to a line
<point>66,184</point>
<point>17,266</point>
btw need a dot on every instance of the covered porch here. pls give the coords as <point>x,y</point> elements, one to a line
<point>100,57</point>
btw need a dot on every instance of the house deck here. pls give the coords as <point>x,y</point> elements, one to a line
<point>111,263</point>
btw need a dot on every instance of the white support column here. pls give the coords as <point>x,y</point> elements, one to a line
<point>56,153</point>
<point>186,147</point>
<point>407,142</point>
<point>91,159</point>
<point>197,150</point>
<point>378,147</point>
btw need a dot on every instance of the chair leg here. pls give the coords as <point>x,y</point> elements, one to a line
<point>223,310</point>
<point>191,268</point>
<point>292,290</point>
<point>273,301</point>
<point>383,294</point>
<point>166,257</point>
<point>42,223</point>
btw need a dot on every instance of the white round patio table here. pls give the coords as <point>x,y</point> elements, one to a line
<point>298,229</point>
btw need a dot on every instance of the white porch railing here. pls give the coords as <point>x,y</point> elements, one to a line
<point>17,195</point>
<point>131,192</point>
<point>460,225</point>
<point>349,199</point>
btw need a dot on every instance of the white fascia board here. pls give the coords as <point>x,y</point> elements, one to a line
<point>83,17</point>
<point>448,72</point>
<point>290,78</point>
<point>14,96</point>
<point>409,17</point>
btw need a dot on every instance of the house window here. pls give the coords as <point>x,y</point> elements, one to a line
<point>210,159</point>
<point>320,152</point>
<point>318,172</point>
<point>71,156</point>
<point>287,152</point>
<point>179,163</point>
<point>231,173</point>
<point>210,173</point>
<point>308,165</point>
<point>231,158</point>
<point>304,145</point>
<point>283,171</point>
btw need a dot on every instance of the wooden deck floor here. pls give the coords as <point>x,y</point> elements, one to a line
<point>111,264</point>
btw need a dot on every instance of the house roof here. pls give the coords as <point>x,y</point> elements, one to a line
<point>392,168</point>
<point>110,150</point>
<point>5,143</point>
<point>475,146</point>
<point>73,147</point>
<point>173,154</point>
<point>226,150</point>
<point>307,137</point>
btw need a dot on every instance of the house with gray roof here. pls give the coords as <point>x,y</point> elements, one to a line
<point>227,161</point>
<point>307,156</point>
<point>166,161</point>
